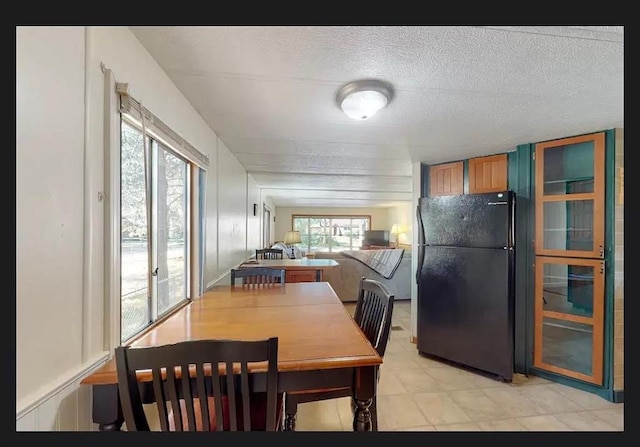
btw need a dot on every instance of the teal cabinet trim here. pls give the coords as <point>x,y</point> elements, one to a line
<point>465,176</point>
<point>520,177</point>
<point>609,255</point>
<point>424,180</point>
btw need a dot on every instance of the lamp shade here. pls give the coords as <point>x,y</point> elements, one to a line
<point>396,229</point>
<point>292,237</point>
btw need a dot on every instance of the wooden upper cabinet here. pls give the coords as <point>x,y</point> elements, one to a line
<point>446,179</point>
<point>488,174</point>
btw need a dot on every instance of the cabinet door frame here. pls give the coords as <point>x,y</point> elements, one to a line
<point>596,321</point>
<point>475,163</point>
<point>598,196</point>
<point>456,169</point>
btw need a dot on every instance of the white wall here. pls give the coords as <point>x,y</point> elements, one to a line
<point>266,201</point>
<point>211,218</point>
<point>60,302</point>
<point>379,217</point>
<point>49,205</point>
<point>232,211</point>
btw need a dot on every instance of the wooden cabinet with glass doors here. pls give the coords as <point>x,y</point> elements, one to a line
<point>569,249</point>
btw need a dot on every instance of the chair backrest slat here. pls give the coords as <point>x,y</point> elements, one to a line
<point>244,377</point>
<point>217,391</point>
<point>187,392</point>
<point>272,391</point>
<point>373,313</point>
<point>187,396</point>
<point>173,398</point>
<point>258,276</point>
<point>161,400</point>
<point>231,392</point>
<point>202,396</point>
<point>269,253</point>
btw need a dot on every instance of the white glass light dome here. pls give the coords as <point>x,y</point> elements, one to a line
<point>361,100</point>
<point>364,104</point>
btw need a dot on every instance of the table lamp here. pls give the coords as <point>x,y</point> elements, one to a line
<point>397,230</point>
<point>291,238</point>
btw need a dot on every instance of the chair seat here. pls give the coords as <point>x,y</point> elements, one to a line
<point>258,403</point>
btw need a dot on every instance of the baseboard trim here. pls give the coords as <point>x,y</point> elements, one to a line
<point>618,396</point>
<point>33,401</point>
<point>210,284</point>
<point>216,281</point>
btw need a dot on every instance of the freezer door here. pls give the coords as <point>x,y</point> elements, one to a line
<point>465,307</point>
<point>468,220</point>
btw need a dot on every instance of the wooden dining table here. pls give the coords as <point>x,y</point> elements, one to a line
<point>320,345</point>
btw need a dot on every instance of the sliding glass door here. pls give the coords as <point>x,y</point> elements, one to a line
<point>171,220</point>
<point>155,223</point>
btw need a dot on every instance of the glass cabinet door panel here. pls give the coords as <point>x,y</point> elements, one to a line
<point>567,345</point>
<point>569,315</point>
<point>568,289</point>
<point>569,202</point>
<point>568,225</point>
<point>566,165</point>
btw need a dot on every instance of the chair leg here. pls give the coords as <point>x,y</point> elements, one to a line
<point>373,410</point>
<point>291,410</point>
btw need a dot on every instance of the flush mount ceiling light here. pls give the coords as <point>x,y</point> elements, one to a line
<point>361,100</point>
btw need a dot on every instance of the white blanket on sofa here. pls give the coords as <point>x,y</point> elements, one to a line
<point>385,261</point>
<point>287,250</point>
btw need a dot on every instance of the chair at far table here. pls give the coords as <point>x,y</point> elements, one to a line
<point>269,253</point>
<point>374,309</point>
<point>258,276</point>
<point>241,408</point>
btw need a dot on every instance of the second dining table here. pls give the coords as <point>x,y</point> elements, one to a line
<point>320,344</point>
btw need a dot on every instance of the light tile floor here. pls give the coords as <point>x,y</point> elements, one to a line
<point>420,394</point>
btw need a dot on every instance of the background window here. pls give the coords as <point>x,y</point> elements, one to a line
<point>331,233</point>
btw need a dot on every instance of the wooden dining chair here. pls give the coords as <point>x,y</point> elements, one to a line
<point>178,396</point>
<point>373,313</point>
<point>269,253</point>
<point>258,276</point>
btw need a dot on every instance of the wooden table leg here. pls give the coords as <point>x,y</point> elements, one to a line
<point>107,412</point>
<point>290,411</point>
<point>364,392</point>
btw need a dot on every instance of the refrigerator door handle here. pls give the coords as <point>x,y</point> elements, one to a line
<point>420,260</point>
<point>421,235</point>
<point>421,241</point>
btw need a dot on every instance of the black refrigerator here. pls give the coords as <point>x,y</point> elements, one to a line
<point>465,279</point>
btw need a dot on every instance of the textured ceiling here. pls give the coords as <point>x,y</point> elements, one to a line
<point>269,93</point>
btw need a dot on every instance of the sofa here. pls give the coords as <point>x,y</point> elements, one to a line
<point>346,278</point>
